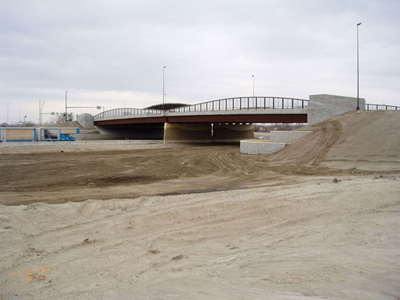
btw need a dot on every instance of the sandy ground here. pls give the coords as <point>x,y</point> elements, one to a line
<point>317,220</point>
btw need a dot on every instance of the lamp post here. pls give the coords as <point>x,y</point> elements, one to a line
<point>253,86</point>
<point>358,72</point>
<point>163,88</point>
<point>8,119</point>
<point>66,110</point>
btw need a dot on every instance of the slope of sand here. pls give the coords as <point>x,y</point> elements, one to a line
<point>368,140</point>
<point>318,220</point>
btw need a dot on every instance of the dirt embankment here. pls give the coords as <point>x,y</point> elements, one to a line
<point>365,140</point>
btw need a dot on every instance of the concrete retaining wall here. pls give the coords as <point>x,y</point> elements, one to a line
<point>287,136</point>
<point>278,140</point>
<point>323,107</point>
<point>260,147</point>
<point>187,133</point>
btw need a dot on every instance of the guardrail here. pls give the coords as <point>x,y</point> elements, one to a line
<point>237,103</point>
<point>381,107</point>
<point>126,112</point>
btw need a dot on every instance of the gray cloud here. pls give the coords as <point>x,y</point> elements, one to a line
<point>105,53</point>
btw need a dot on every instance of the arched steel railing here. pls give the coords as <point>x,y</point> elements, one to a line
<point>237,103</point>
<point>126,112</point>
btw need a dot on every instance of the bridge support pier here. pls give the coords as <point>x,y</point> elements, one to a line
<point>187,133</point>
<point>232,133</point>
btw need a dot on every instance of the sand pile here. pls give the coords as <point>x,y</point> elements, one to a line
<point>364,140</point>
<point>313,240</point>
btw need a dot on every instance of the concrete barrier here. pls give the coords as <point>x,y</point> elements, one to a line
<point>287,136</point>
<point>278,141</point>
<point>260,147</point>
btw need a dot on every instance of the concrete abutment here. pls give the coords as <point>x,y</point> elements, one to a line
<point>207,132</point>
<point>323,107</point>
<point>187,133</point>
<point>232,133</point>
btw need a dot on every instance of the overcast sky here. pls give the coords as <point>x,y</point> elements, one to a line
<point>112,53</point>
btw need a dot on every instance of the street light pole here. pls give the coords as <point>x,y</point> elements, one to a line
<point>358,72</point>
<point>253,86</point>
<point>66,110</point>
<point>163,88</point>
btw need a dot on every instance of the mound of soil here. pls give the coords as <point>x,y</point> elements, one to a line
<point>367,140</point>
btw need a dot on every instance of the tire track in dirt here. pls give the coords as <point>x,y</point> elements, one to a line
<point>223,161</point>
<point>327,138</point>
<point>312,150</point>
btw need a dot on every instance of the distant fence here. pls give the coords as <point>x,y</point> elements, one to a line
<point>81,143</point>
<point>381,107</point>
<point>237,103</point>
<point>32,134</point>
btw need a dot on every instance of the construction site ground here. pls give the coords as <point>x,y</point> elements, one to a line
<point>316,220</point>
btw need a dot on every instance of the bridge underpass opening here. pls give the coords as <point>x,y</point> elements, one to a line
<point>207,132</point>
<point>132,131</point>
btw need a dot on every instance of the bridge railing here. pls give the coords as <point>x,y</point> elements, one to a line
<point>244,103</point>
<point>126,112</point>
<point>238,103</point>
<point>381,107</point>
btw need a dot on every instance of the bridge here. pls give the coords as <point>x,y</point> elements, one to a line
<point>222,120</point>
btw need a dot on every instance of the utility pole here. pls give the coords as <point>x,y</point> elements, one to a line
<point>253,86</point>
<point>66,107</point>
<point>163,89</point>
<point>358,72</point>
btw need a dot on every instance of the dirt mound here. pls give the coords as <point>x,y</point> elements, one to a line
<point>363,140</point>
<point>64,124</point>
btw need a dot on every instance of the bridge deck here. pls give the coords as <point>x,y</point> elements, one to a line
<point>238,116</point>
